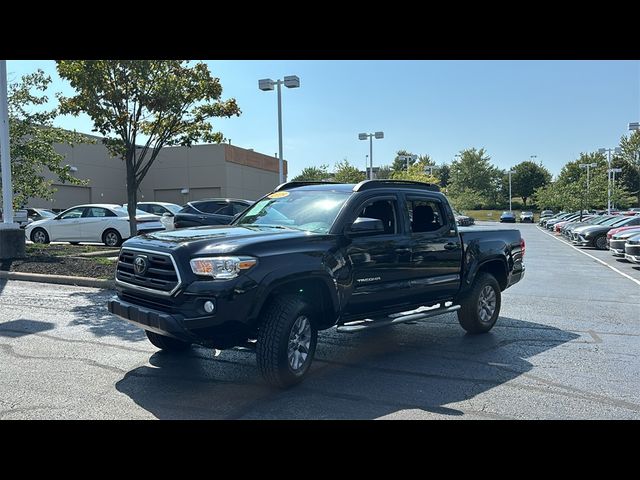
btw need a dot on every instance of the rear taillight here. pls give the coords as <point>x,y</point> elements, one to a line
<point>522,246</point>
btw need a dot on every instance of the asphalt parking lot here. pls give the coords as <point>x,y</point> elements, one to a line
<point>566,346</point>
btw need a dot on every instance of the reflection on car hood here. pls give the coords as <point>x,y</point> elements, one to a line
<point>44,221</point>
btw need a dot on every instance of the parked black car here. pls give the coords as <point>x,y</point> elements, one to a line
<point>311,256</point>
<point>508,217</point>
<point>209,211</point>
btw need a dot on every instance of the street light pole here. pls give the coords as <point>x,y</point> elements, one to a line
<point>634,127</point>
<point>266,84</point>
<point>613,172</point>
<point>280,166</point>
<point>609,150</point>
<point>363,136</point>
<point>5,166</point>
<point>366,165</point>
<point>587,166</point>
<point>407,158</point>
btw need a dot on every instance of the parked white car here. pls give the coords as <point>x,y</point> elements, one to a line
<point>102,223</point>
<point>165,210</point>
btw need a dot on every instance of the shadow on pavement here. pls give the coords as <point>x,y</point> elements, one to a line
<point>361,376</point>
<point>95,316</point>
<point>23,327</point>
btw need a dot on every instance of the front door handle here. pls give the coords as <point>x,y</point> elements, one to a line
<point>403,250</point>
<point>451,246</point>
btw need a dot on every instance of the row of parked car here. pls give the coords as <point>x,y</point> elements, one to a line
<point>619,232</point>
<point>109,223</point>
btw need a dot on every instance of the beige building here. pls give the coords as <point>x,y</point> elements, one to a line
<point>178,175</point>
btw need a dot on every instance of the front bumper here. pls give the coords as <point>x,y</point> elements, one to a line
<point>171,325</point>
<point>580,240</point>
<point>632,253</point>
<point>616,247</point>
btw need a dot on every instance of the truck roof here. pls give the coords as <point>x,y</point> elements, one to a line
<point>359,187</point>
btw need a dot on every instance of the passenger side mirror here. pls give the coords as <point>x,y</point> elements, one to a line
<point>365,226</point>
<point>167,214</point>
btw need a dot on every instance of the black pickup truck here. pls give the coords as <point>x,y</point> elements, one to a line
<point>308,257</point>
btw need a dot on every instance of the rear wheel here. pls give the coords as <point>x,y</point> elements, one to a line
<point>600,242</point>
<point>286,341</point>
<point>480,307</point>
<point>167,344</point>
<point>111,238</point>
<point>39,235</point>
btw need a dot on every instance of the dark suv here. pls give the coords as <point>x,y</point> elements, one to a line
<point>210,211</point>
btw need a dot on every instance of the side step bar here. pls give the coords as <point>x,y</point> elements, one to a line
<point>368,324</point>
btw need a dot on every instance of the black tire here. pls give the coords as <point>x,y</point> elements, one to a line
<point>41,237</point>
<point>274,335</point>
<point>600,242</point>
<point>469,314</point>
<point>111,238</point>
<point>167,344</point>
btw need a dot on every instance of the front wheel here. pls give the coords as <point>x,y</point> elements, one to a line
<point>112,238</point>
<point>286,341</point>
<point>480,307</point>
<point>600,242</point>
<point>39,235</point>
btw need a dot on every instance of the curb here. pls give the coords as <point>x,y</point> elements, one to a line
<point>59,279</point>
<point>103,253</point>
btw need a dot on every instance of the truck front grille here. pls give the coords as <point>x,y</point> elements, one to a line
<point>160,275</point>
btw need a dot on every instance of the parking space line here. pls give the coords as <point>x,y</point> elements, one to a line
<point>591,256</point>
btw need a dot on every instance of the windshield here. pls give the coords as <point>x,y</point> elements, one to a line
<point>45,213</point>
<point>122,212</point>
<point>173,208</point>
<point>310,210</point>
<point>620,222</point>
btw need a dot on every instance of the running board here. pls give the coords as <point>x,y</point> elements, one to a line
<point>369,323</point>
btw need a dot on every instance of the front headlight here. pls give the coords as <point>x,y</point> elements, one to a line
<point>222,268</point>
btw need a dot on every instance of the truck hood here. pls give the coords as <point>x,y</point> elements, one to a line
<point>215,239</point>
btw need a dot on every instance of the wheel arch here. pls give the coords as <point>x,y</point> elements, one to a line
<point>314,289</point>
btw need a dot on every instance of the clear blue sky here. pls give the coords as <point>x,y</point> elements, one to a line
<point>514,109</point>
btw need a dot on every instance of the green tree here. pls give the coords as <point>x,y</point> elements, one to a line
<point>158,102</point>
<point>474,173</point>
<point>384,172</point>
<point>400,164</point>
<point>347,173</point>
<point>569,191</point>
<point>313,174</point>
<point>443,173</point>
<point>527,178</point>
<point>32,137</point>
<point>415,173</point>
<point>630,146</point>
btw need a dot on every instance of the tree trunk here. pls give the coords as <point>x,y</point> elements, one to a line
<point>132,195</point>
<point>524,201</point>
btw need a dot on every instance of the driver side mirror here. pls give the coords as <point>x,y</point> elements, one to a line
<point>167,214</point>
<point>365,226</point>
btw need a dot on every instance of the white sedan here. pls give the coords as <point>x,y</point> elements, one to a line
<point>102,223</point>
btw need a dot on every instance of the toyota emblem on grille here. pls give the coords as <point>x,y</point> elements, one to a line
<point>140,265</point>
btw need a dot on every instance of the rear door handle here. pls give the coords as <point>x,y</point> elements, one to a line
<point>403,250</point>
<point>451,246</point>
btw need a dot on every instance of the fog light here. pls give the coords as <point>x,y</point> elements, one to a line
<point>209,306</point>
